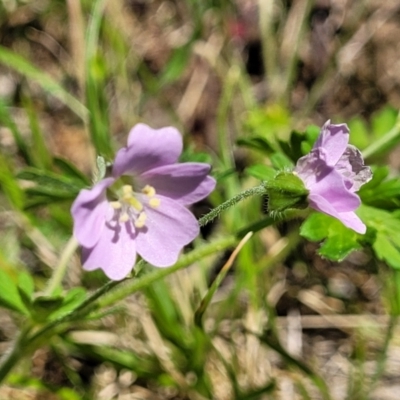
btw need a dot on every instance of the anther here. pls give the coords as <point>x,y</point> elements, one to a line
<point>149,191</point>
<point>116,205</point>
<point>124,217</point>
<point>135,203</point>
<point>140,222</point>
<point>154,202</point>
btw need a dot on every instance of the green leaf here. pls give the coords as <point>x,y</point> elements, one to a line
<point>26,283</point>
<point>258,143</point>
<point>338,240</point>
<point>96,71</point>
<point>359,135</point>
<point>9,185</point>
<point>176,64</point>
<point>383,121</point>
<point>281,161</point>
<point>7,120</point>
<point>51,181</point>
<point>387,240</point>
<point>293,148</point>
<point>72,300</point>
<point>39,151</point>
<point>24,67</point>
<point>261,171</point>
<point>43,306</point>
<point>71,171</point>
<point>9,295</point>
<point>380,193</point>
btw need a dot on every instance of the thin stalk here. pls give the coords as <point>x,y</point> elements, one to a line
<point>112,292</point>
<point>382,356</point>
<point>60,270</point>
<point>385,141</point>
<point>259,190</point>
<point>268,37</point>
<point>296,23</point>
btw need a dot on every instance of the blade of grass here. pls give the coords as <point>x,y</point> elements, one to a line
<point>95,82</point>
<point>198,316</point>
<point>25,68</point>
<point>40,153</point>
<point>7,120</point>
<point>272,341</point>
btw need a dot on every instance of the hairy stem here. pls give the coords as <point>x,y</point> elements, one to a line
<point>229,203</point>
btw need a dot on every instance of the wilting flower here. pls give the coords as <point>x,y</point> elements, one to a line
<point>332,172</point>
<point>146,213</point>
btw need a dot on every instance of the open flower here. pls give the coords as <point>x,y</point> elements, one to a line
<point>332,172</point>
<point>147,214</point>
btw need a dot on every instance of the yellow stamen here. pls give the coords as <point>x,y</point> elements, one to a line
<point>154,202</point>
<point>116,205</point>
<point>149,191</point>
<point>124,217</point>
<point>135,203</point>
<point>140,222</point>
<point>127,190</point>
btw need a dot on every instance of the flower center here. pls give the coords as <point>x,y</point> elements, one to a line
<point>130,205</point>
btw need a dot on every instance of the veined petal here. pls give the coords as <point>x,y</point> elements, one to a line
<point>90,210</point>
<point>185,183</point>
<point>349,219</point>
<point>168,229</point>
<point>114,253</point>
<point>333,139</point>
<point>351,167</point>
<point>148,148</point>
<point>332,188</point>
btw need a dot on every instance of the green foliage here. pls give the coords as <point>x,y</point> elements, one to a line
<point>48,187</point>
<point>385,225</point>
<point>337,240</point>
<point>381,192</point>
<point>24,67</point>
<point>193,321</point>
<point>362,133</point>
<point>261,172</point>
<point>9,294</point>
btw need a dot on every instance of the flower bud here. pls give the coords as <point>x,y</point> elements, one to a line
<point>285,191</point>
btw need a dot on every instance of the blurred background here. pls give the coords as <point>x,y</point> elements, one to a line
<point>76,75</point>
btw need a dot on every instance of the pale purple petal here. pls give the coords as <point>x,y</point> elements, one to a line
<point>147,149</point>
<point>349,219</point>
<point>114,253</point>
<point>331,187</point>
<point>333,139</point>
<point>90,210</point>
<point>332,172</point>
<point>185,183</point>
<point>351,167</point>
<point>168,229</point>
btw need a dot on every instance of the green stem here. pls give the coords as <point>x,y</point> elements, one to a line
<point>60,270</point>
<point>383,142</point>
<point>14,353</point>
<point>231,202</point>
<point>112,292</point>
<point>133,285</point>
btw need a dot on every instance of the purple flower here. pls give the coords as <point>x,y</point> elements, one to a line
<point>332,172</point>
<point>147,214</point>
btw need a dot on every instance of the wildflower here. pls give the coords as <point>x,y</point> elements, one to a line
<point>148,214</point>
<point>332,172</point>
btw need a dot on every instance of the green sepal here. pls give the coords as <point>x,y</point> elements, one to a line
<point>285,191</point>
